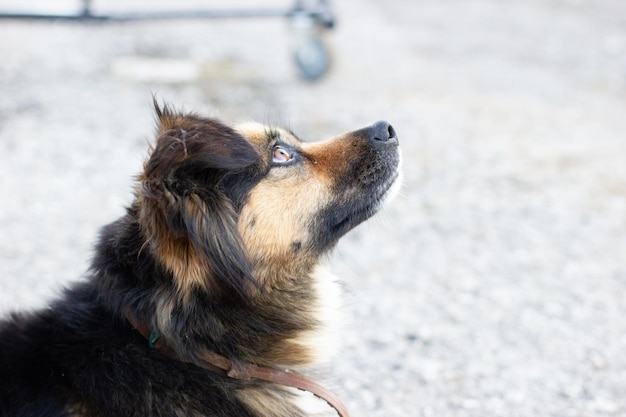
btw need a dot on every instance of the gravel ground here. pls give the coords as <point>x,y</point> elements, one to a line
<point>495,285</point>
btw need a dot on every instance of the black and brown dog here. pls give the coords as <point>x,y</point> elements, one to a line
<point>217,257</point>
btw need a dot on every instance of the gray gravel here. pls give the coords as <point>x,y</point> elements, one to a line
<point>495,285</point>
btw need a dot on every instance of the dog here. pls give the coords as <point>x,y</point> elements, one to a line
<point>209,297</point>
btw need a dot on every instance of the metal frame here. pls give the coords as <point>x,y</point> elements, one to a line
<point>320,11</point>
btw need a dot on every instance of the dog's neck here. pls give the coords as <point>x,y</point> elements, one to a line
<point>241,371</point>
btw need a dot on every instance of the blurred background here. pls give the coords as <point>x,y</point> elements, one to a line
<point>495,285</point>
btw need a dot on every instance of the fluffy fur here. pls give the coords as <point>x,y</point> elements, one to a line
<point>220,250</point>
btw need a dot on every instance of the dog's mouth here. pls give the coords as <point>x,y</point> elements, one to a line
<point>356,207</point>
<point>357,212</point>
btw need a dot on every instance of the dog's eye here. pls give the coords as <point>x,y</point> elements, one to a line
<point>281,155</point>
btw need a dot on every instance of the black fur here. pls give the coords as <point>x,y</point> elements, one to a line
<point>77,350</point>
<point>176,261</point>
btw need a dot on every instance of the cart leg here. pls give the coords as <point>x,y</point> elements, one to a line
<point>310,52</point>
<point>86,13</point>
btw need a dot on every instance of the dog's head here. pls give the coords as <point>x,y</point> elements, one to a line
<point>231,209</point>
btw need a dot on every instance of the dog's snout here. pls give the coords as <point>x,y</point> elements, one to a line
<point>381,132</point>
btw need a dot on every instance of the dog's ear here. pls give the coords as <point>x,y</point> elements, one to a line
<point>188,223</point>
<point>196,142</point>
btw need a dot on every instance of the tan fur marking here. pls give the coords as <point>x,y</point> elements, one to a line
<point>176,254</point>
<point>277,211</point>
<point>331,156</point>
<point>255,132</point>
<point>289,353</point>
<point>266,402</point>
<point>179,257</point>
<point>276,215</point>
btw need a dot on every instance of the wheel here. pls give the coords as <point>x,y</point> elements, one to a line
<point>310,53</point>
<point>312,58</point>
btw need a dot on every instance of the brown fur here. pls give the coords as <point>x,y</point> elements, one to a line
<point>219,251</point>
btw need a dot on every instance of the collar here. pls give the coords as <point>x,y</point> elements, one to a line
<point>242,371</point>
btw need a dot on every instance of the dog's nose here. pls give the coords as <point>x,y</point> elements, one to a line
<point>381,132</point>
